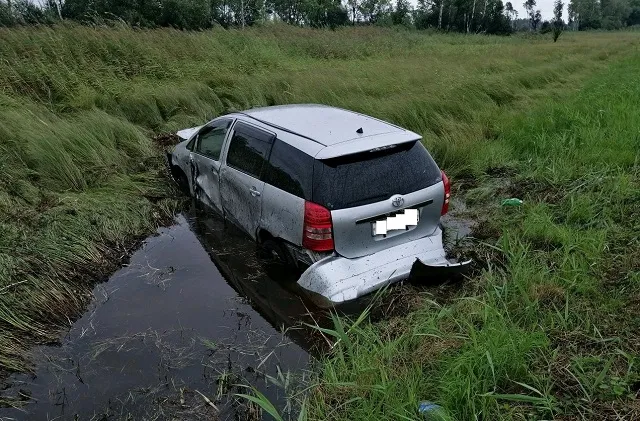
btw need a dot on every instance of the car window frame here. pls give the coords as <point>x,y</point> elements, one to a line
<point>306,189</point>
<point>213,123</point>
<point>231,134</point>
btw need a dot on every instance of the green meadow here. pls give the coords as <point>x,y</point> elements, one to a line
<point>546,326</point>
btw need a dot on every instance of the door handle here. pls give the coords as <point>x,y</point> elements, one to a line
<point>254,192</point>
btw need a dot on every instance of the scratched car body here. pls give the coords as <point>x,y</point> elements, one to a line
<point>354,203</point>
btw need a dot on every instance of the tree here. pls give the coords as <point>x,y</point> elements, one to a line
<point>479,16</point>
<point>290,11</point>
<point>536,20</point>
<point>615,13</point>
<point>585,14</point>
<point>558,24</point>
<point>572,16</point>
<point>324,13</point>
<point>6,15</point>
<point>373,11</point>
<point>471,21</point>
<point>634,13</point>
<point>528,6</point>
<point>54,7</point>
<point>336,15</point>
<point>354,6</point>
<point>496,22</point>
<point>190,14</point>
<point>423,16</point>
<point>512,13</point>
<point>508,8</point>
<point>30,13</point>
<point>400,16</point>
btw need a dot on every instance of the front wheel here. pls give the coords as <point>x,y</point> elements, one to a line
<point>182,181</point>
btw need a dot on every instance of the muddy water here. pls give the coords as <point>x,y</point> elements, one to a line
<point>458,223</point>
<point>192,313</point>
<point>185,314</point>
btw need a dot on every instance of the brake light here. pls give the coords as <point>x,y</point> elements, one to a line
<point>447,194</point>
<point>318,229</point>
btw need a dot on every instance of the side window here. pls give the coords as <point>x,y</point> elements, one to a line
<point>211,138</point>
<point>249,149</point>
<point>191,143</point>
<point>289,169</point>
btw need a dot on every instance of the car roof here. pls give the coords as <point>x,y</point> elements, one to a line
<point>331,127</point>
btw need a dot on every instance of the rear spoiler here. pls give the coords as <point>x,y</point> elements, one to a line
<point>367,143</point>
<point>186,134</point>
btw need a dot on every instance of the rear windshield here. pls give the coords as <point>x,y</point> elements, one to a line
<point>369,177</point>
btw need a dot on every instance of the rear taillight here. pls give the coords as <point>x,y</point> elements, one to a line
<point>447,194</point>
<point>318,230</point>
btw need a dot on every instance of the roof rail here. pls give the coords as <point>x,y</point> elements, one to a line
<point>284,129</point>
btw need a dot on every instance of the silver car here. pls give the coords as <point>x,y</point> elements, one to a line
<point>351,201</point>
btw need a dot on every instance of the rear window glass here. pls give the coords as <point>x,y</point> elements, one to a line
<point>289,169</point>
<point>249,149</point>
<point>369,177</point>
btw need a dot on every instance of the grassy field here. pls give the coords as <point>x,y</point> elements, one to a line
<point>547,327</point>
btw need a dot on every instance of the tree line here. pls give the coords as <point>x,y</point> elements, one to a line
<point>467,16</point>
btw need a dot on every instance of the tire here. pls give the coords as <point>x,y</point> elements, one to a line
<point>274,252</point>
<point>181,180</point>
<point>276,260</point>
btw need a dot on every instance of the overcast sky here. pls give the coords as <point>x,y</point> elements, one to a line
<point>545,6</point>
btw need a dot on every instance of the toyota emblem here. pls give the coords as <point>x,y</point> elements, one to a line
<point>397,201</point>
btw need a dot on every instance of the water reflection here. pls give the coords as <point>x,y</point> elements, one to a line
<point>272,292</point>
<point>192,314</point>
<point>192,311</point>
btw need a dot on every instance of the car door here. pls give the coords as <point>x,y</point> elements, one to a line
<point>205,162</point>
<point>240,178</point>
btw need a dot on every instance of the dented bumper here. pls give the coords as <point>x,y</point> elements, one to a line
<point>339,279</point>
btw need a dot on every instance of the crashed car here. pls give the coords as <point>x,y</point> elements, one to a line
<point>354,203</point>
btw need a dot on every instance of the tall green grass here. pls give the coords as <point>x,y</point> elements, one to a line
<point>549,329</point>
<point>80,176</point>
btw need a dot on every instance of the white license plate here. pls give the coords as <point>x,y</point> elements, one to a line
<point>400,221</point>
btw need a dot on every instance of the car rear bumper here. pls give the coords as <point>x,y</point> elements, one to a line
<point>338,279</point>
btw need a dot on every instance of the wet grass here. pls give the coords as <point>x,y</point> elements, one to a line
<point>80,178</point>
<point>548,327</point>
